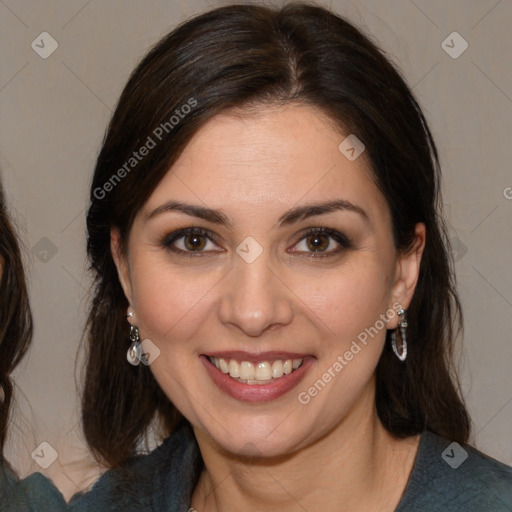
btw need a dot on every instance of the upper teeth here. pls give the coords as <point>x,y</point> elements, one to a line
<point>261,371</point>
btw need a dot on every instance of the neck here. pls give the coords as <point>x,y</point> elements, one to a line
<point>358,465</point>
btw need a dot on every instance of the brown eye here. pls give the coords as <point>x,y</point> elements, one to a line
<point>194,242</point>
<point>320,242</point>
<point>190,242</point>
<point>317,242</point>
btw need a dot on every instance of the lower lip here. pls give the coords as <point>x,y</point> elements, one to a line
<point>256,392</point>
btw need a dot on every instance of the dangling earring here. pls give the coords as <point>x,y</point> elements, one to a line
<point>134,352</point>
<point>402,327</point>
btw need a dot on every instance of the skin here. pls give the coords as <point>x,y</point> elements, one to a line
<point>278,455</point>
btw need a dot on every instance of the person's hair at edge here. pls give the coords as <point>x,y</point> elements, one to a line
<point>247,56</point>
<point>15,315</point>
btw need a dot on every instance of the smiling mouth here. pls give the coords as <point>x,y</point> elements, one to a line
<point>262,372</point>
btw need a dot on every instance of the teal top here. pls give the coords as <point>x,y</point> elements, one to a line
<point>36,493</point>
<point>446,477</point>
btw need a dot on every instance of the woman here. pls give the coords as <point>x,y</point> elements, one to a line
<point>35,492</point>
<point>274,292</point>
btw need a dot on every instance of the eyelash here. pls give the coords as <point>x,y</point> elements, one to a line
<point>171,238</point>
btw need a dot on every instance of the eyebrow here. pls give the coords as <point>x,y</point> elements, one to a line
<point>290,217</point>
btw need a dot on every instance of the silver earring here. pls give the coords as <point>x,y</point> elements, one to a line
<point>134,352</point>
<point>402,327</point>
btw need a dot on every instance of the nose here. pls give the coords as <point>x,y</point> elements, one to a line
<point>254,298</point>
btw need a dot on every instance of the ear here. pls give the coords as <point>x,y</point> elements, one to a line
<point>407,272</point>
<point>121,262</point>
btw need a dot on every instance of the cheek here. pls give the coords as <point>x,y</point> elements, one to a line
<point>349,304</point>
<point>349,299</point>
<point>167,301</point>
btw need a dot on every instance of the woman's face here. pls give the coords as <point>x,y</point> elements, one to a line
<point>255,281</point>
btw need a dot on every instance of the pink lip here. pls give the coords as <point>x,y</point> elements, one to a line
<point>257,392</point>
<point>252,357</point>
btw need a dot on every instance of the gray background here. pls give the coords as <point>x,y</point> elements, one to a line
<point>53,115</point>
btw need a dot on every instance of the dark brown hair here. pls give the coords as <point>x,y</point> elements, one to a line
<point>248,56</point>
<point>15,315</point>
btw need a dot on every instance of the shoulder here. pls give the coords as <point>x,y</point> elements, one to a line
<point>157,481</point>
<point>450,477</point>
<point>7,478</point>
<point>33,493</point>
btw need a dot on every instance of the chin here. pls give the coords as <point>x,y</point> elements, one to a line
<point>258,439</point>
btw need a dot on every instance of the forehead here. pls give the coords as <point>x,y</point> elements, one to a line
<point>267,160</point>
